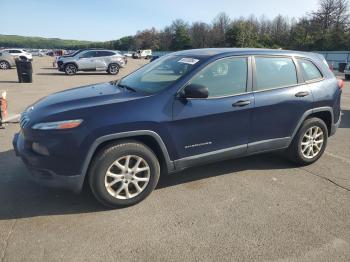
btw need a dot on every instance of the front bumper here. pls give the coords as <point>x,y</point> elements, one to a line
<point>60,66</point>
<point>41,175</point>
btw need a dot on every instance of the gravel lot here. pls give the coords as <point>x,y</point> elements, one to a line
<point>260,208</point>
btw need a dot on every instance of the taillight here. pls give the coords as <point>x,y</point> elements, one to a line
<point>340,83</point>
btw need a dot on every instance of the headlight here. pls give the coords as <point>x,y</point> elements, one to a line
<point>58,125</point>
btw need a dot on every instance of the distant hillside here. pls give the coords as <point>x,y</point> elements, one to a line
<point>41,42</point>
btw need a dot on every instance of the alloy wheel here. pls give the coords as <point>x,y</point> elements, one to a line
<point>4,65</point>
<point>312,142</point>
<point>127,177</point>
<point>113,69</point>
<point>71,69</point>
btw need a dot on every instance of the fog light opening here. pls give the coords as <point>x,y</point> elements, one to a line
<point>40,149</point>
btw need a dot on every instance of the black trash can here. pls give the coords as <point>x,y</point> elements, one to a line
<point>24,71</point>
<point>342,67</point>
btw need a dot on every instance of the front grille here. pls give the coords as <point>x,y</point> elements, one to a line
<point>24,120</point>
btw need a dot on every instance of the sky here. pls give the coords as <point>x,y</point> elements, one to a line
<point>101,20</point>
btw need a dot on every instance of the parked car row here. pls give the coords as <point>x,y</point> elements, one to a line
<point>92,60</point>
<point>37,52</point>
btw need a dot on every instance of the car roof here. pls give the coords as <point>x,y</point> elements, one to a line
<point>21,49</point>
<point>212,52</point>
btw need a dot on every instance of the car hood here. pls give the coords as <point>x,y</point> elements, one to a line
<point>79,98</point>
<point>66,58</point>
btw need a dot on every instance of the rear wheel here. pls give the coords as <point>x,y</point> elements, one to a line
<point>70,69</point>
<point>123,174</point>
<point>4,65</point>
<point>113,69</point>
<point>309,143</point>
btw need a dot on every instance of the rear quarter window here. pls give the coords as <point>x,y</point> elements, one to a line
<point>309,70</point>
<point>274,72</point>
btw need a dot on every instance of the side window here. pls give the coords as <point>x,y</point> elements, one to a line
<point>88,54</point>
<point>309,70</point>
<point>274,72</point>
<point>224,77</point>
<point>109,53</point>
<point>103,53</point>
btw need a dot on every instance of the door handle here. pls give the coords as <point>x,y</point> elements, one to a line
<point>241,103</point>
<point>302,94</point>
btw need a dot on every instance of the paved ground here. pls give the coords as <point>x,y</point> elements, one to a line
<point>260,208</point>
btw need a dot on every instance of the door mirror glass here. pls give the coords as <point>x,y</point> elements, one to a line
<point>195,91</point>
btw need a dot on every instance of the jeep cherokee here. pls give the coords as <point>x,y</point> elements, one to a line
<point>185,109</point>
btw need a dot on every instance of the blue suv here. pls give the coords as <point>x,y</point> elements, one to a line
<point>184,109</point>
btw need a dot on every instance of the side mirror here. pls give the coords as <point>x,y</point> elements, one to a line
<point>195,91</point>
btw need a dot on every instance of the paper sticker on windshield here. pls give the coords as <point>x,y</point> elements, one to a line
<point>190,61</point>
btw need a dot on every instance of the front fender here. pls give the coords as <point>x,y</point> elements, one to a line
<point>130,134</point>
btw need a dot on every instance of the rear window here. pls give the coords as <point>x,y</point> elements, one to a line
<point>274,72</point>
<point>309,71</point>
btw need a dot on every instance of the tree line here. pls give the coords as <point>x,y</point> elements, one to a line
<point>326,28</point>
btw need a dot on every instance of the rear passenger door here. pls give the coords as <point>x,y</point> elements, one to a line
<point>102,59</point>
<point>281,99</point>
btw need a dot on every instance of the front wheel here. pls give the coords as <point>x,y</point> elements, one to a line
<point>123,174</point>
<point>113,69</point>
<point>347,77</point>
<point>309,143</point>
<point>70,69</point>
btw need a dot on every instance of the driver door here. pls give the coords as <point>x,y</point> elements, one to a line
<point>218,126</point>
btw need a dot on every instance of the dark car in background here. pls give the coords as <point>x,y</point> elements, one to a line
<point>184,109</point>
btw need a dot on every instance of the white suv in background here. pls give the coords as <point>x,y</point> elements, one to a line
<point>19,53</point>
<point>92,60</point>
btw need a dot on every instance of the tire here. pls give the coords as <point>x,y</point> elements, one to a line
<point>118,179</point>
<point>4,65</point>
<point>113,69</point>
<point>299,150</point>
<point>70,69</point>
<point>347,77</point>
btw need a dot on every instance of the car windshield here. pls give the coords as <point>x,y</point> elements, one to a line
<point>159,74</point>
